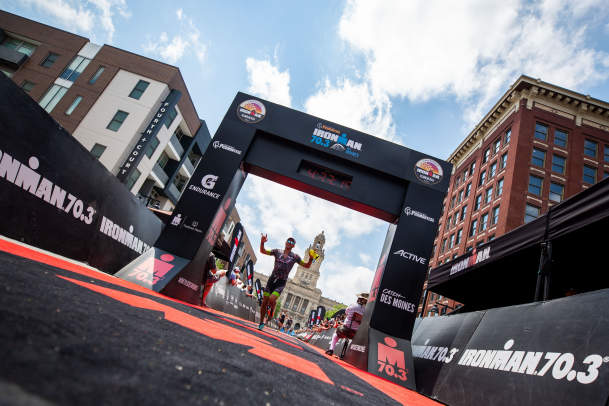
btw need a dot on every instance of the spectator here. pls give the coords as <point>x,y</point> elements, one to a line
<point>212,276</point>
<point>354,315</point>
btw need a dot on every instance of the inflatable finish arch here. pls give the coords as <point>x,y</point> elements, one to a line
<point>373,176</point>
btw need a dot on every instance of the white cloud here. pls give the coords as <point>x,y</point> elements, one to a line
<point>342,281</point>
<point>354,105</point>
<point>268,82</point>
<point>365,258</point>
<point>84,17</point>
<point>471,49</point>
<point>186,42</point>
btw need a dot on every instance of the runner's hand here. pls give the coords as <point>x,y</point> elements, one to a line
<point>263,238</point>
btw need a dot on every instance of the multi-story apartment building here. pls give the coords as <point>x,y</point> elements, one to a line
<point>131,112</point>
<point>538,145</point>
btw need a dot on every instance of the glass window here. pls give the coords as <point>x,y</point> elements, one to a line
<point>117,120</point>
<point>469,249</point>
<point>75,68</point>
<point>19,45</point>
<point>451,241</point>
<point>139,89</point>
<point>483,221</point>
<point>489,195</point>
<point>443,245</point>
<point>508,135</point>
<point>448,222</point>
<point>558,163</point>
<point>560,138</point>
<point>472,168</point>
<point>472,228</point>
<point>503,161</point>
<point>461,196</point>
<point>535,184</point>
<point>605,175</point>
<point>74,104</point>
<point>589,174</point>
<point>541,131</point>
<point>490,238</point>
<point>539,157</point>
<point>96,75</point>
<point>133,177</point>
<point>98,150</point>
<point>52,97</point>
<point>163,160</point>
<point>487,153</point>
<point>452,201</point>
<point>152,147</point>
<point>26,85</point>
<point>305,304</point>
<point>171,115</point>
<point>49,60</point>
<point>479,243</point>
<point>495,216</point>
<point>482,178</point>
<point>459,235</point>
<point>500,187</point>
<point>492,170</point>
<point>463,212</point>
<point>496,146</point>
<point>606,153</point>
<point>477,203</point>
<point>296,302</point>
<point>468,189</point>
<point>557,192</point>
<point>530,213</point>
<point>590,148</point>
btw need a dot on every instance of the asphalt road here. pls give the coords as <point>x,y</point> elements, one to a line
<point>70,335</point>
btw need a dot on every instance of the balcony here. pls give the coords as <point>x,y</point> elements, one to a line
<point>172,192</point>
<point>11,58</point>
<point>175,150</point>
<point>160,175</point>
<point>187,169</point>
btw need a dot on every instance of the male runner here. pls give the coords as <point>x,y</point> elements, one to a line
<point>354,314</point>
<point>284,261</point>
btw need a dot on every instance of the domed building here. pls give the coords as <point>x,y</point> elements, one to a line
<point>301,294</point>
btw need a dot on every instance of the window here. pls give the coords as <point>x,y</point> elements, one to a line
<point>305,304</point>
<point>443,246</point>
<point>558,163</point>
<point>487,153</point>
<point>452,202</point>
<point>606,153</point>
<point>448,222</point>
<point>75,68</point>
<point>560,138</point>
<point>152,147</point>
<point>479,243</point>
<point>457,180</point>
<point>180,181</point>
<point>296,303</point>
<point>459,235</point>
<point>503,161</point>
<point>541,131</point>
<point>492,170</point>
<point>49,60</point>
<point>472,228</point>
<point>499,187</point>
<point>490,238</point>
<point>461,196</point>
<point>477,203</point>
<point>288,300</point>
<point>557,192</point>
<point>26,85</point>
<point>96,75</point>
<point>590,148</point>
<point>469,249</point>
<point>508,135</point>
<point>52,97</point>
<point>117,120</point>
<point>483,221</point>
<point>463,212</point>
<point>530,213</point>
<point>605,175</point>
<point>98,150</point>
<point>472,168</point>
<point>139,89</point>
<point>489,195</point>
<point>19,45</point>
<point>535,184</point>
<point>133,177</point>
<point>74,104</point>
<point>452,241</point>
<point>468,189</point>
<point>589,174</point>
<point>495,216</point>
<point>482,178</point>
<point>163,160</point>
<point>539,157</point>
<point>496,146</point>
<point>171,115</point>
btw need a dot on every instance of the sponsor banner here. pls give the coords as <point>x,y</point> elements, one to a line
<point>258,287</point>
<point>149,134</point>
<point>330,137</point>
<point>312,317</point>
<point>230,299</point>
<point>251,111</point>
<point>391,358</point>
<point>55,195</point>
<point>428,171</point>
<point>322,339</point>
<point>553,352</point>
<point>235,242</point>
<point>155,269</point>
<point>249,273</point>
<point>320,314</point>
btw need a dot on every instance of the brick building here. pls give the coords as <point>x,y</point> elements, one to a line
<point>538,145</point>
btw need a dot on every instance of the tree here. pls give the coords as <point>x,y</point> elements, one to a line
<point>330,313</point>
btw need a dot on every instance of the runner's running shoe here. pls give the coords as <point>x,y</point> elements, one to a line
<point>260,326</point>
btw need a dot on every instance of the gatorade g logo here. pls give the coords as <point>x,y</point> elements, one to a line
<point>152,270</point>
<point>391,360</point>
<point>209,181</point>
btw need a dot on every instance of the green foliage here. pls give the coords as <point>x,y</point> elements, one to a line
<point>277,309</point>
<point>330,313</point>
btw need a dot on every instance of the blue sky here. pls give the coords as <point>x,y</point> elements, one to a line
<point>419,73</point>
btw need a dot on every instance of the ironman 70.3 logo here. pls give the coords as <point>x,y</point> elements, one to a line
<point>251,111</point>
<point>428,171</point>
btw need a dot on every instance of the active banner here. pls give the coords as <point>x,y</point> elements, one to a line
<point>230,299</point>
<point>544,353</point>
